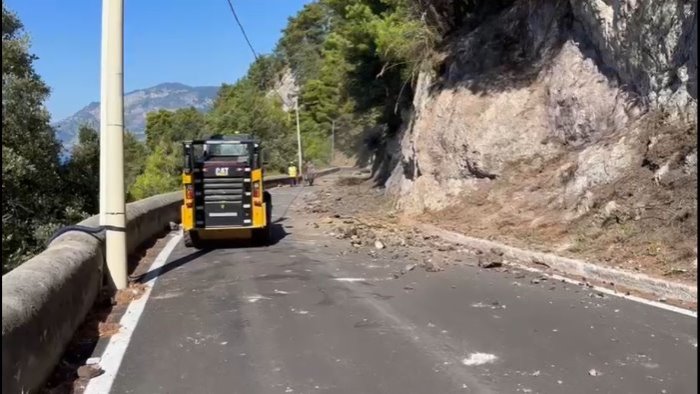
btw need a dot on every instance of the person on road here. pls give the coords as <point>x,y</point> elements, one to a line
<point>292,170</point>
<point>309,173</point>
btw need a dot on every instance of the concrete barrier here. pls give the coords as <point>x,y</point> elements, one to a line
<point>278,180</point>
<point>45,299</point>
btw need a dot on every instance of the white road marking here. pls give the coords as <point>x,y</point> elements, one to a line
<point>118,343</point>
<point>350,279</point>
<point>605,290</point>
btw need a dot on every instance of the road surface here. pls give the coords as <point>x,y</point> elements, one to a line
<point>300,317</point>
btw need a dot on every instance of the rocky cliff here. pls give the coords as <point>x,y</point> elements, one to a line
<point>286,88</point>
<point>564,124</point>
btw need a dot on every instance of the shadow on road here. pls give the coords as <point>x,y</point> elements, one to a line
<point>278,233</point>
<point>172,265</point>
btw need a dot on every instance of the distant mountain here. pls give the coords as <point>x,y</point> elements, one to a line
<point>137,104</point>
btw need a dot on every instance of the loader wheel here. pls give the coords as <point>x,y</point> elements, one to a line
<point>191,240</point>
<point>263,236</point>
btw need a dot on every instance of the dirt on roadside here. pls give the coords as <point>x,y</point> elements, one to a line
<point>350,207</point>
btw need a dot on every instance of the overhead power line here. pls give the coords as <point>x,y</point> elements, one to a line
<point>233,11</point>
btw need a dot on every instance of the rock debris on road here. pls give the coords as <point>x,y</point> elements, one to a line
<point>327,310</point>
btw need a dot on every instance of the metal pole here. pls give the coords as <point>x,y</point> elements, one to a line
<point>332,142</point>
<point>103,115</point>
<point>296,106</point>
<point>115,206</point>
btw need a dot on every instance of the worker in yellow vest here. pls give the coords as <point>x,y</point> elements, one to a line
<point>293,173</point>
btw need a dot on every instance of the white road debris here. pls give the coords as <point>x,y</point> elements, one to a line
<point>256,298</point>
<point>479,359</point>
<point>594,372</point>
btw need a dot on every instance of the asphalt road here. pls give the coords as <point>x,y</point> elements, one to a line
<point>299,317</point>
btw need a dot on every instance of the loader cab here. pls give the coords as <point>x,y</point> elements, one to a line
<point>224,195</point>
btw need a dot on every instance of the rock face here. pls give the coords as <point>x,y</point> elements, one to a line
<point>536,84</point>
<point>286,89</point>
<point>566,126</point>
<point>651,45</point>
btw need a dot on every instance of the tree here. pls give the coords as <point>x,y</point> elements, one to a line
<point>159,125</point>
<point>83,171</point>
<point>31,183</point>
<point>246,108</point>
<point>173,126</point>
<point>135,154</point>
<point>161,173</point>
<point>354,62</point>
<point>303,39</point>
<point>188,124</point>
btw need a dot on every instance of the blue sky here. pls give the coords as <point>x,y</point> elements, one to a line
<point>195,42</point>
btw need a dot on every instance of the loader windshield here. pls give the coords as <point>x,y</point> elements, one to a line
<point>227,152</point>
<point>200,152</point>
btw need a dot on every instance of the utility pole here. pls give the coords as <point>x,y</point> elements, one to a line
<point>103,116</point>
<point>332,142</point>
<point>296,107</point>
<point>112,125</point>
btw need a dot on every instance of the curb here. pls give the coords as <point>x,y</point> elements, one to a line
<point>572,267</point>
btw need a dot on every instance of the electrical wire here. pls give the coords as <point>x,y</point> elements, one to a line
<point>235,16</point>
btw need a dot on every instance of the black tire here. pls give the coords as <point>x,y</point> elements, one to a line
<point>267,199</point>
<point>263,236</point>
<point>191,240</point>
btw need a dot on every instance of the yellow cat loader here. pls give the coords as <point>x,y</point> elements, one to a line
<point>224,194</point>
